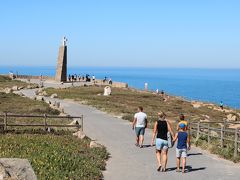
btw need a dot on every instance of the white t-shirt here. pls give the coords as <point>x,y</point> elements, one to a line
<point>141,119</point>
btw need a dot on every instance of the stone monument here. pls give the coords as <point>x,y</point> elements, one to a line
<point>61,71</point>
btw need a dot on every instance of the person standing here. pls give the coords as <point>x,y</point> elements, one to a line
<point>160,136</point>
<point>139,124</point>
<point>182,146</point>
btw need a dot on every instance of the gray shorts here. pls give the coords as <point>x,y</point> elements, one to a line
<point>139,131</point>
<point>181,153</point>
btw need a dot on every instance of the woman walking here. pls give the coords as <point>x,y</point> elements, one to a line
<point>160,135</point>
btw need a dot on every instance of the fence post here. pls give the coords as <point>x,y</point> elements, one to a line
<point>198,130</point>
<point>221,140</point>
<point>45,122</point>
<point>208,134</point>
<point>236,144</point>
<point>5,121</point>
<point>82,123</point>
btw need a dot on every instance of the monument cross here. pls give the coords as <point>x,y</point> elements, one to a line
<point>61,71</point>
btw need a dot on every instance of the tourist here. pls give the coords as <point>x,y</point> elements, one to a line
<point>110,81</point>
<point>139,124</point>
<point>221,105</point>
<point>69,77</point>
<point>160,136</point>
<point>93,78</point>
<point>182,120</point>
<point>105,79</point>
<point>181,151</point>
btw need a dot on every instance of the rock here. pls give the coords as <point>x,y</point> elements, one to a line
<point>231,117</point>
<point>44,93</point>
<point>54,95</point>
<point>107,91</point>
<point>14,88</point>
<point>20,88</point>
<point>29,87</point>
<point>214,134</point>
<point>94,144</point>
<point>14,168</point>
<point>40,98</point>
<point>8,90</point>
<point>18,93</point>
<point>80,135</point>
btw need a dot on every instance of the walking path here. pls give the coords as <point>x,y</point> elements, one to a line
<point>128,162</point>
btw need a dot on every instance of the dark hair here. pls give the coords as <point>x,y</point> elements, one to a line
<point>181,117</point>
<point>140,108</point>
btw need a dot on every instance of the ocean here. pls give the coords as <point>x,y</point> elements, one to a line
<point>208,85</point>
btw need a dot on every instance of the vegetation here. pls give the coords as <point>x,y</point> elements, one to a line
<point>215,148</point>
<point>124,103</point>
<point>7,82</point>
<point>55,157</point>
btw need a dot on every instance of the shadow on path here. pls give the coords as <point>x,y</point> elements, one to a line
<point>195,154</point>
<point>188,169</point>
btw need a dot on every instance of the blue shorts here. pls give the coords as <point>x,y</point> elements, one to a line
<point>161,144</point>
<point>139,131</point>
<point>181,153</point>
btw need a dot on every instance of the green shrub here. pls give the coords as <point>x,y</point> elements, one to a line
<point>55,157</point>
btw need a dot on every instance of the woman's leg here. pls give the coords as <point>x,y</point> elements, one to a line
<point>158,154</point>
<point>164,159</point>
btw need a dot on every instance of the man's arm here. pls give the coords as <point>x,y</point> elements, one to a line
<point>134,123</point>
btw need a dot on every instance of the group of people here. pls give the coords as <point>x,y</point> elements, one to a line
<point>163,138</point>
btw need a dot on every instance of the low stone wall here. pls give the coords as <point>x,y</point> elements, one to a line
<point>34,77</point>
<point>114,84</point>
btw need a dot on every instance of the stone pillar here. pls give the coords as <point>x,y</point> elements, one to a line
<point>61,71</point>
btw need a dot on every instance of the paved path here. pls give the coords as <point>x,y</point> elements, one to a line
<point>128,162</point>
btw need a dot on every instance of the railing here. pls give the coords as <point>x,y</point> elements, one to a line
<point>222,134</point>
<point>45,122</point>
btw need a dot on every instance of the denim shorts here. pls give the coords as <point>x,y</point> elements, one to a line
<point>161,144</point>
<point>181,153</point>
<point>139,131</point>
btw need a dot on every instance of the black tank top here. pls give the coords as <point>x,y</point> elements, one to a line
<point>162,129</point>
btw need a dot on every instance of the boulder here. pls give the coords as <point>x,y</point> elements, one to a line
<point>231,117</point>
<point>20,88</point>
<point>14,88</point>
<point>214,134</point>
<point>94,144</point>
<point>40,98</point>
<point>80,135</point>
<point>14,168</point>
<point>54,95</point>
<point>8,90</point>
<point>107,91</point>
<point>44,93</point>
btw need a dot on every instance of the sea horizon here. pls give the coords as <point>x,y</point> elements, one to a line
<point>201,84</point>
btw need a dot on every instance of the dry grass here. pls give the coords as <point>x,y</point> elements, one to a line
<point>124,103</point>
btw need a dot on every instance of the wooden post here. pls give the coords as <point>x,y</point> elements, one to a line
<point>45,122</point>
<point>198,130</point>
<point>221,140</point>
<point>82,123</point>
<point>236,144</point>
<point>5,121</point>
<point>208,133</point>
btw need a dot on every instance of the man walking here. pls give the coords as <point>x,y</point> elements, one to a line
<point>139,124</point>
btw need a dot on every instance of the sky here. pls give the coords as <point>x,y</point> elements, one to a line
<point>121,33</point>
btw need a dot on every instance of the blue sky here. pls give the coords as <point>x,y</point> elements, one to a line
<point>199,33</point>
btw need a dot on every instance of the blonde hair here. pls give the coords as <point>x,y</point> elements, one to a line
<point>161,114</point>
